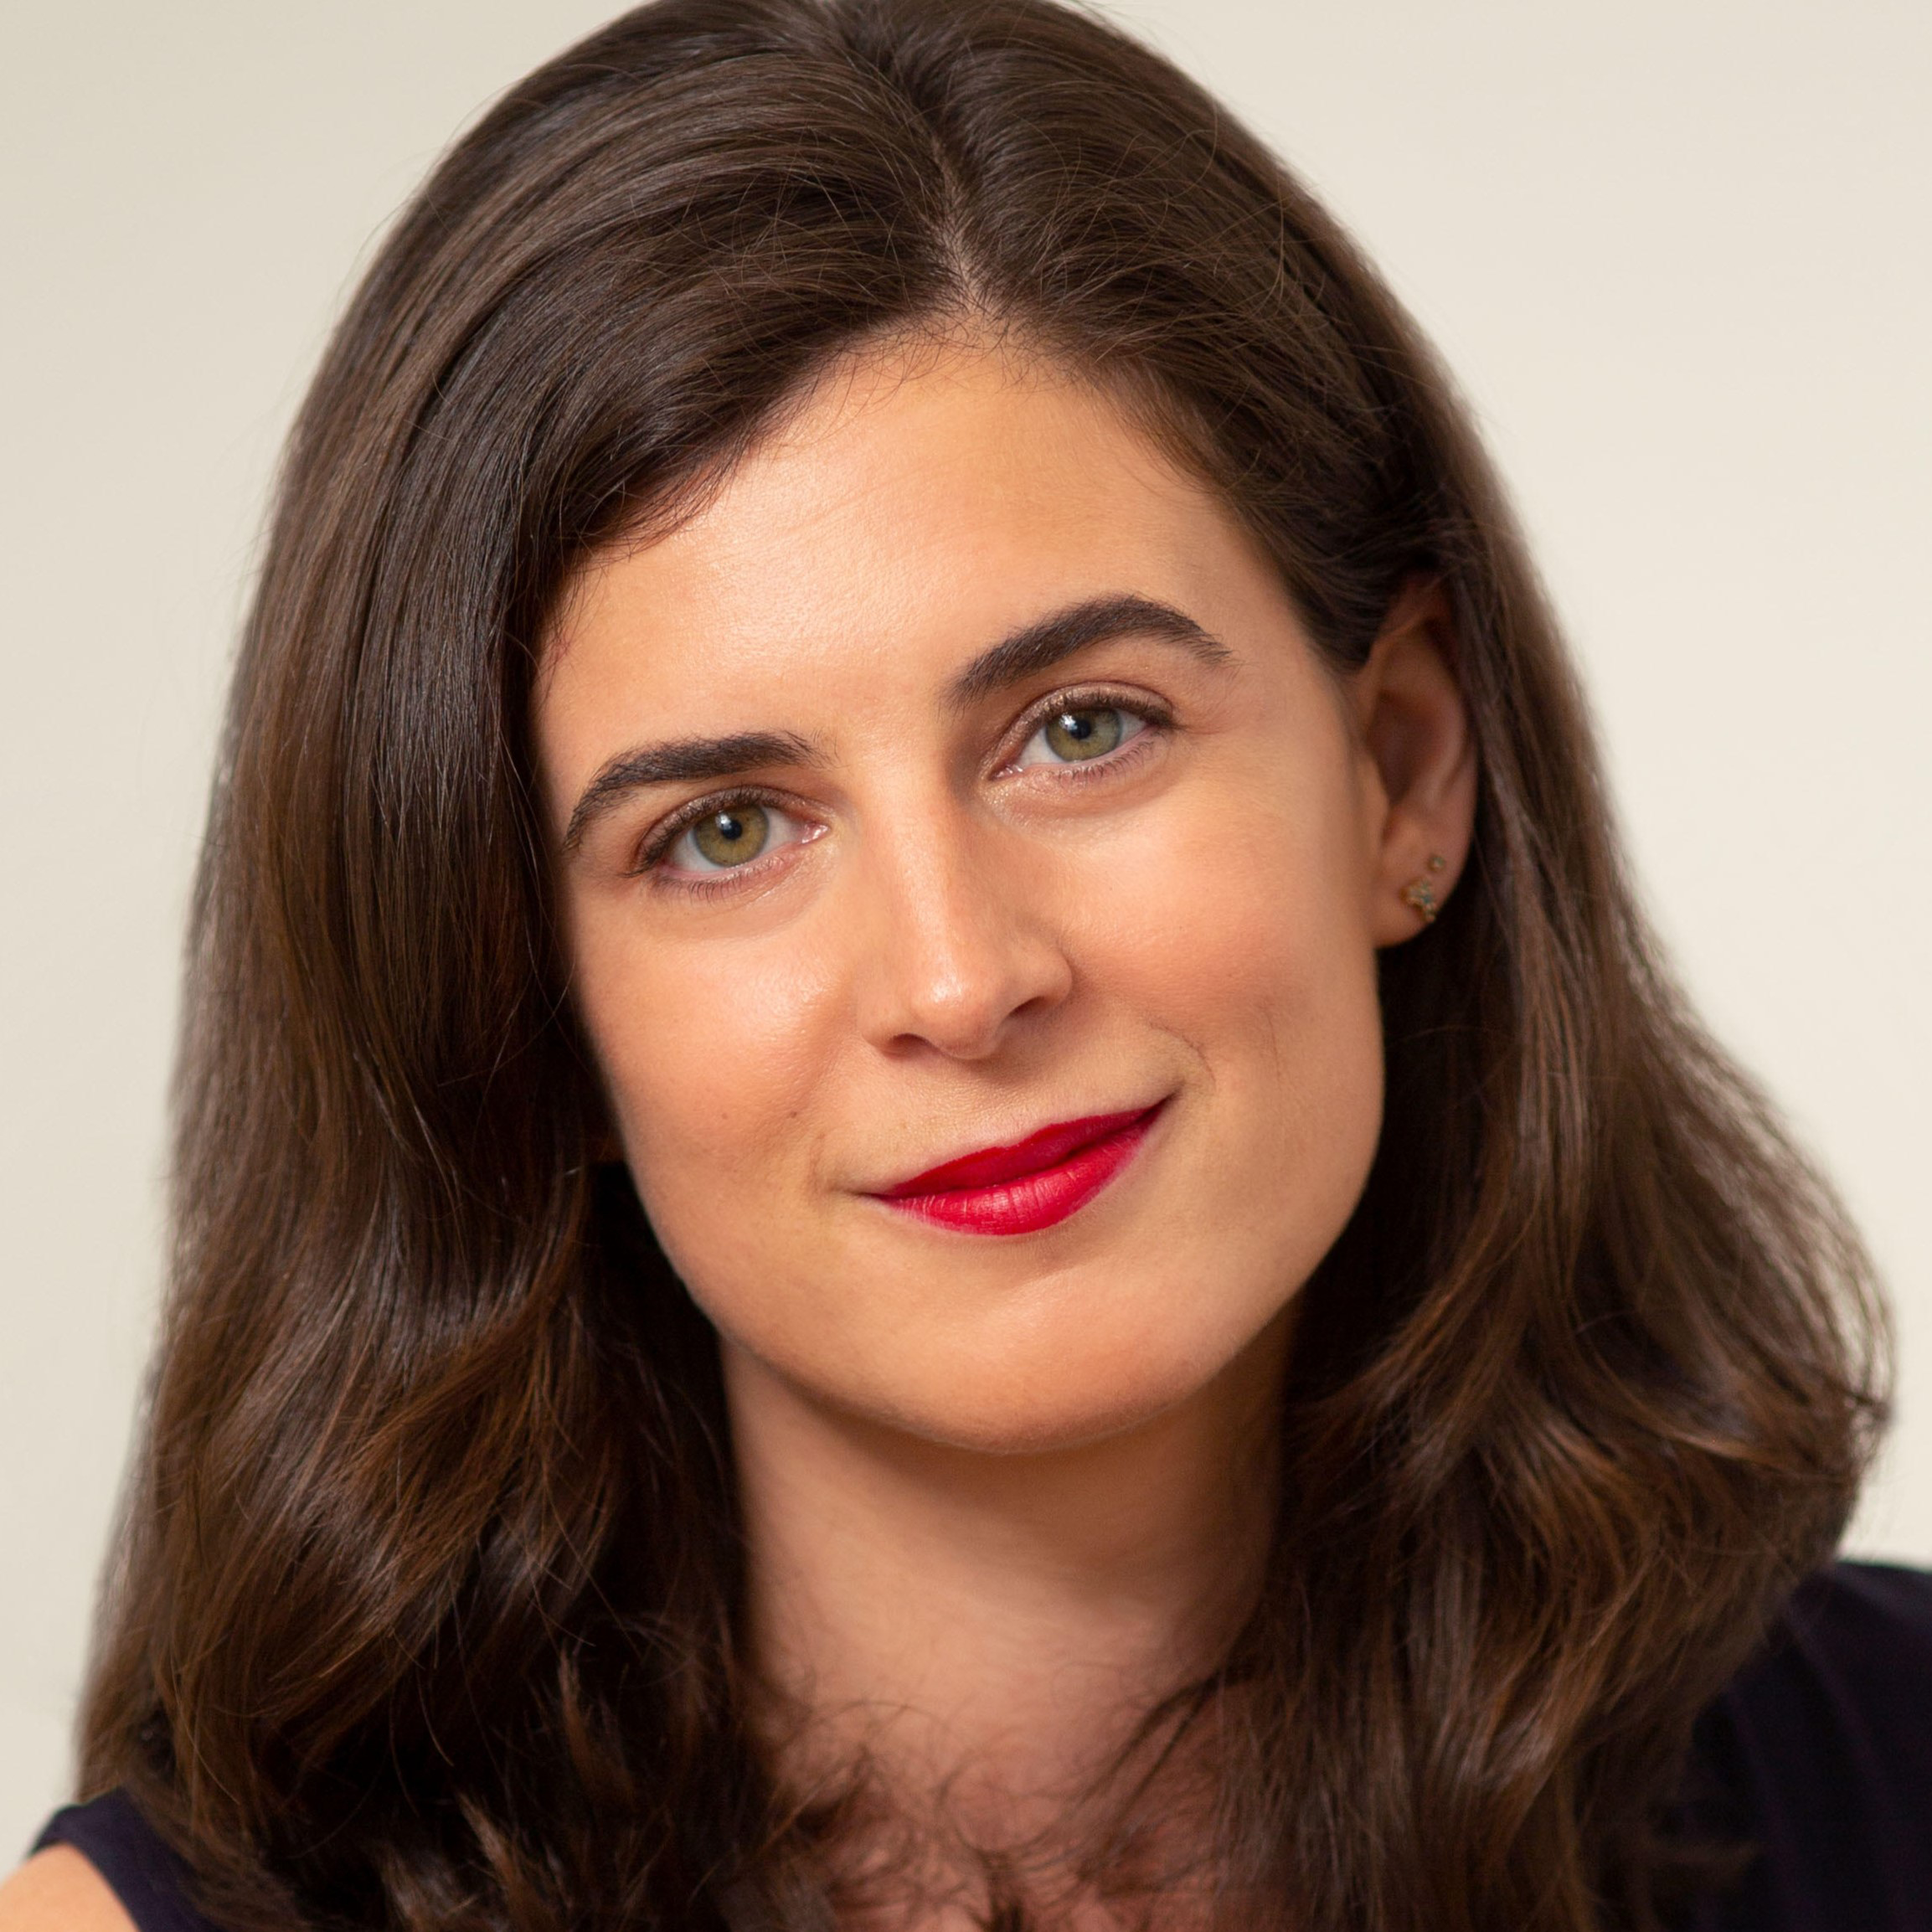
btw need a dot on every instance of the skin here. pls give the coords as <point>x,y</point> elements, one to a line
<point>1001,1492</point>
<point>57,1890</point>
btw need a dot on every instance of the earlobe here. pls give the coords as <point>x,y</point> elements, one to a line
<point>1416,734</point>
<point>1419,893</point>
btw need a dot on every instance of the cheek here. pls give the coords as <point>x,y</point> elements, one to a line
<point>709,1063</point>
<point>1250,942</point>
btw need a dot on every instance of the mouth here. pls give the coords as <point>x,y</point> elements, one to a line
<point>1032,1184</point>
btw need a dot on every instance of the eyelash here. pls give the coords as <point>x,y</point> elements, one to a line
<point>1157,717</point>
<point>665,833</point>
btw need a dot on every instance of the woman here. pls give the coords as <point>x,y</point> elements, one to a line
<point>930,1174</point>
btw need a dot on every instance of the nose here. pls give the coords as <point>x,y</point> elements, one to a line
<point>959,951</point>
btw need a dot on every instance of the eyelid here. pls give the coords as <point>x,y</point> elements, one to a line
<point>657,842</point>
<point>1143,705</point>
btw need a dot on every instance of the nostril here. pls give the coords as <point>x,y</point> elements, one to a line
<point>952,957</point>
<point>970,1017</point>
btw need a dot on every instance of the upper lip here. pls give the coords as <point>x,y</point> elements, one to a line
<point>991,1166</point>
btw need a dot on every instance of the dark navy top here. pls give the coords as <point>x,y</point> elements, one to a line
<point>1820,1754</point>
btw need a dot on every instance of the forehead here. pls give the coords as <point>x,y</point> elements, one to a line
<point>915,505</point>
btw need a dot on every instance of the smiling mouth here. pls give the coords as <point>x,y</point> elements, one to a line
<point>1030,1185</point>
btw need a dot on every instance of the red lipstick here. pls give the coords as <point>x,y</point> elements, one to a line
<point>1032,1184</point>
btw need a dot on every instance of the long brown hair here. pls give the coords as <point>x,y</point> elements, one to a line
<point>424,1612</point>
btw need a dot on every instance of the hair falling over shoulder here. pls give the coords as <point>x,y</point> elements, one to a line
<point>424,1612</point>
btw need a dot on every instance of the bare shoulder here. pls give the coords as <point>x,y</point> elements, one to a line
<point>57,1890</point>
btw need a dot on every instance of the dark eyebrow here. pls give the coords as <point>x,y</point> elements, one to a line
<point>1038,647</point>
<point>679,762</point>
<point>1043,644</point>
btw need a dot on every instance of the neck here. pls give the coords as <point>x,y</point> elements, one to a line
<point>988,1630</point>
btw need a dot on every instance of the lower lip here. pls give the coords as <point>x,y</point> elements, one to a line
<point>1031,1202</point>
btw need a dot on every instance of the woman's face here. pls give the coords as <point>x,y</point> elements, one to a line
<point>960,782</point>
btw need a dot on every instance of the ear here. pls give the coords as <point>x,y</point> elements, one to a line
<point>1419,763</point>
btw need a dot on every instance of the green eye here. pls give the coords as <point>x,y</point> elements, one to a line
<point>1076,735</point>
<point>723,839</point>
<point>728,838</point>
<point>1080,734</point>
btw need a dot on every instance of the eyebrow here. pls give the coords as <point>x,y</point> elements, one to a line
<point>681,760</point>
<point>1024,653</point>
<point>1042,645</point>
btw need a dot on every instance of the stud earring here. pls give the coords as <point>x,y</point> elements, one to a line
<point>1419,893</point>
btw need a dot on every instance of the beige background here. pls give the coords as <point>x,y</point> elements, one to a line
<point>1679,252</point>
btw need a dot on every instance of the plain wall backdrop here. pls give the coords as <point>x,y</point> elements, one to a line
<point>1679,253</point>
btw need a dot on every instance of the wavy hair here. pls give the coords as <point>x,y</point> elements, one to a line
<point>424,1610</point>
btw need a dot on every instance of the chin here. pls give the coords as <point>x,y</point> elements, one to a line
<point>1061,1384</point>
